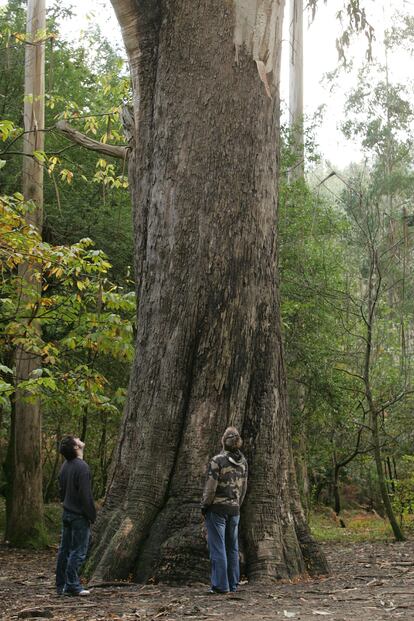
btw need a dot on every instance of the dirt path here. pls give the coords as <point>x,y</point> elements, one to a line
<point>370,582</point>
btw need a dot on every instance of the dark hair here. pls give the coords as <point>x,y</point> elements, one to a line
<point>68,447</point>
<point>231,439</point>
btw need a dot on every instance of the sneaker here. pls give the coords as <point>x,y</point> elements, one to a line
<point>81,593</point>
<point>214,591</point>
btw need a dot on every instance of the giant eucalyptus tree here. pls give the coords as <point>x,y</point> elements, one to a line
<point>203,178</point>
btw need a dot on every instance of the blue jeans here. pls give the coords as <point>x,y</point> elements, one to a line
<point>223,545</point>
<point>72,552</point>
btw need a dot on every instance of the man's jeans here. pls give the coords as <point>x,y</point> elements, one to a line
<point>223,545</point>
<point>72,552</point>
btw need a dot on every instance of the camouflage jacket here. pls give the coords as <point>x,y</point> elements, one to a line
<point>226,483</point>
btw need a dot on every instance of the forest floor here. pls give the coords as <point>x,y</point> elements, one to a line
<point>369,581</point>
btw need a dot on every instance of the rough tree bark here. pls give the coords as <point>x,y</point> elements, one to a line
<point>208,349</point>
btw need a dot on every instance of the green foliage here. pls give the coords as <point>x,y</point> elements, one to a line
<point>346,275</point>
<point>81,323</point>
<point>313,263</point>
<point>81,313</point>
<point>403,492</point>
<point>359,527</point>
<point>353,20</point>
<point>71,316</point>
<point>86,84</point>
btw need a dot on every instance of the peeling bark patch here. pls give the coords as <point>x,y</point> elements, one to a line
<point>256,27</point>
<point>126,527</point>
<point>122,535</point>
<point>263,76</point>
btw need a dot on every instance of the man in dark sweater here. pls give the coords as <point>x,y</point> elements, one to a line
<point>223,495</point>
<point>78,514</point>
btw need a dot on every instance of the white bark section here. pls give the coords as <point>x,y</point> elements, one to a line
<point>34,105</point>
<point>258,28</point>
<point>296,85</point>
<point>296,62</point>
<point>127,14</point>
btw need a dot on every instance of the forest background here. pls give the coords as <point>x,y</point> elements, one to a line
<point>346,272</point>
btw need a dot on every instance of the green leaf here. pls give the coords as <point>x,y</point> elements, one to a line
<point>40,156</point>
<point>6,389</point>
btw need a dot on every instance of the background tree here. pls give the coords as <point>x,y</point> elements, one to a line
<point>333,413</point>
<point>98,85</point>
<point>24,498</point>
<point>87,328</point>
<point>83,196</point>
<point>296,120</point>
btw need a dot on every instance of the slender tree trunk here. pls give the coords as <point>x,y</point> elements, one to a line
<point>103,461</point>
<point>336,494</point>
<point>7,359</point>
<point>25,501</point>
<point>335,491</point>
<point>52,479</point>
<point>335,481</point>
<point>391,476</point>
<point>296,87</point>
<point>84,428</point>
<point>302,472</point>
<point>208,349</point>
<point>295,173</point>
<point>396,529</point>
<point>374,285</point>
<point>1,430</point>
<point>300,447</point>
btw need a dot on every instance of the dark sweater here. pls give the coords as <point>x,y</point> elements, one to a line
<point>75,488</point>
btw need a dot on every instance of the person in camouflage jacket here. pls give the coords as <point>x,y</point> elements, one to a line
<point>223,496</point>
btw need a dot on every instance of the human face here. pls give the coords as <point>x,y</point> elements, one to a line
<point>79,447</point>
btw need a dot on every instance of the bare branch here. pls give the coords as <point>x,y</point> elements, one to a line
<point>94,145</point>
<point>349,373</point>
<point>395,399</point>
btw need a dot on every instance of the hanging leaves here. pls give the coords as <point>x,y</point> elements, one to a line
<point>353,20</point>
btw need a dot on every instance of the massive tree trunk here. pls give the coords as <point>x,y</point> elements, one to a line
<point>208,350</point>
